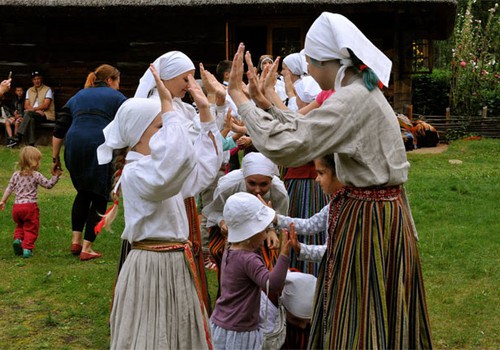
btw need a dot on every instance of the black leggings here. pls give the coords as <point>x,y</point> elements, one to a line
<point>85,213</point>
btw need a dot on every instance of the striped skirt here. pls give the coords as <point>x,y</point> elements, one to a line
<point>370,291</point>
<point>156,304</point>
<point>306,199</point>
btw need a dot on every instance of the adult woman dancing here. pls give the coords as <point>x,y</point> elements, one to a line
<point>80,126</point>
<point>158,303</point>
<point>370,289</point>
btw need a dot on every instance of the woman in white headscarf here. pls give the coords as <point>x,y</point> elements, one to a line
<point>158,302</point>
<point>173,68</point>
<point>258,176</point>
<point>370,287</point>
<point>304,88</point>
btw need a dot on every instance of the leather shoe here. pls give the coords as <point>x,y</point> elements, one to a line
<point>88,256</point>
<point>76,248</point>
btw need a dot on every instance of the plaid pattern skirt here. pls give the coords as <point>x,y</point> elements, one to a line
<point>306,199</point>
<point>370,291</point>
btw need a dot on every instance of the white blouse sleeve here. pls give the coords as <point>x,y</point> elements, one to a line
<point>207,157</point>
<point>313,225</point>
<point>162,174</point>
<point>312,252</point>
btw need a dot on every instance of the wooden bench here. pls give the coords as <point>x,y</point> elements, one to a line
<point>43,133</point>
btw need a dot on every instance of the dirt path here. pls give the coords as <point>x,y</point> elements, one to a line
<point>440,148</point>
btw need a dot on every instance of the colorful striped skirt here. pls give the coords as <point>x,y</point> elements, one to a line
<point>370,291</point>
<point>306,199</point>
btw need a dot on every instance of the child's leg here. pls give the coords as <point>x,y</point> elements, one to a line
<point>8,127</point>
<point>31,226</point>
<point>18,217</point>
<point>16,125</point>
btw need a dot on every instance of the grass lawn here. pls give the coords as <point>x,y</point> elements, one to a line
<point>54,301</point>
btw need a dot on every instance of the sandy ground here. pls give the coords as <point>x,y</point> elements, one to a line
<point>440,148</point>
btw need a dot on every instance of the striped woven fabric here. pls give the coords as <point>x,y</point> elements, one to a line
<point>370,291</point>
<point>306,199</point>
<point>195,239</point>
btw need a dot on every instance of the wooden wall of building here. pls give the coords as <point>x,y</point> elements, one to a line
<point>67,47</point>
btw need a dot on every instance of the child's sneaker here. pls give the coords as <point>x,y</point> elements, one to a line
<point>27,253</point>
<point>18,250</point>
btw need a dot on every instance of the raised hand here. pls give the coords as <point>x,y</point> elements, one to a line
<point>165,95</point>
<point>285,243</point>
<point>235,87</point>
<point>210,82</point>
<point>293,239</point>
<point>254,85</point>
<point>200,99</point>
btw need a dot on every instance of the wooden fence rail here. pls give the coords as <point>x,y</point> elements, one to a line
<point>453,126</point>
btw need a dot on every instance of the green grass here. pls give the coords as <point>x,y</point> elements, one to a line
<point>54,301</point>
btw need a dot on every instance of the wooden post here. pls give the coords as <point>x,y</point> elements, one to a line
<point>485,111</point>
<point>410,111</point>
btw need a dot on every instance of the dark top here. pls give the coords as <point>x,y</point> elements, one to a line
<point>82,120</point>
<point>243,276</point>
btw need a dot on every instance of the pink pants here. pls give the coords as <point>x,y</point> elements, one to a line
<point>27,219</point>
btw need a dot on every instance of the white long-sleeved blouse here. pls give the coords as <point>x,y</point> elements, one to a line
<point>154,186</point>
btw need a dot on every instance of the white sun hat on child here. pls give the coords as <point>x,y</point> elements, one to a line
<point>245,216</point>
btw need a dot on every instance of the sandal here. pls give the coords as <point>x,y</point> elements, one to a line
<point>88,256</point>
<point>76,248</point>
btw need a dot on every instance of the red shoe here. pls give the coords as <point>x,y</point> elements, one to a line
<point>76,248</point>
<point>88,256</point>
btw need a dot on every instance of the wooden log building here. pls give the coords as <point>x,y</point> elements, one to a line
<point>67,39</point>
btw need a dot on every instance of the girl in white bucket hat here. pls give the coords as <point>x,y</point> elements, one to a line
<point>235,320</point>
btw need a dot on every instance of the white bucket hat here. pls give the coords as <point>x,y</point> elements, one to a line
<point>245,216</point>
<point>298,294</point>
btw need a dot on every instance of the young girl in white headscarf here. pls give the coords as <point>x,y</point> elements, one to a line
<point>157,299</point>
<point>370,287</point>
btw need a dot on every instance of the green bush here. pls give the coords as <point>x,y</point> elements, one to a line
<point>431,92</point>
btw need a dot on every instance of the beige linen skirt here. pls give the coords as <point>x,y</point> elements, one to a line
<point>155,304</point>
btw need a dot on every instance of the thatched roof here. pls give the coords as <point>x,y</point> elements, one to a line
<point>173,3</point>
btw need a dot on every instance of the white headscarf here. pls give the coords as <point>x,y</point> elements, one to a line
<point>255,163</point>
<point>132,119</point>
<point>298,294</point>
<point>296,63</point>
<point>332,34</point>
<point>169,65</point>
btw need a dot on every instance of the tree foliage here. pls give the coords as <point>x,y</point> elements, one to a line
<point>475,74</point>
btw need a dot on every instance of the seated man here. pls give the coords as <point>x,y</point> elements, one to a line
<point>38,107</point>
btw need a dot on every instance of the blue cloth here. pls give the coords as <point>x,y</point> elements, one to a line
<point>91,110</point>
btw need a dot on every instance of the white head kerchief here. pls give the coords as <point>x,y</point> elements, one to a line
<point>131,120</point>
<point>332,34</point>
<point>296,63</point>
<point>169,65</point>
<point>255,163</point>
<point>298,294</point>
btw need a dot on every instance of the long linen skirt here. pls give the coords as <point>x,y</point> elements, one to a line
<point>155,304</point>
<point>306,199</point>
<point>370,291</point>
